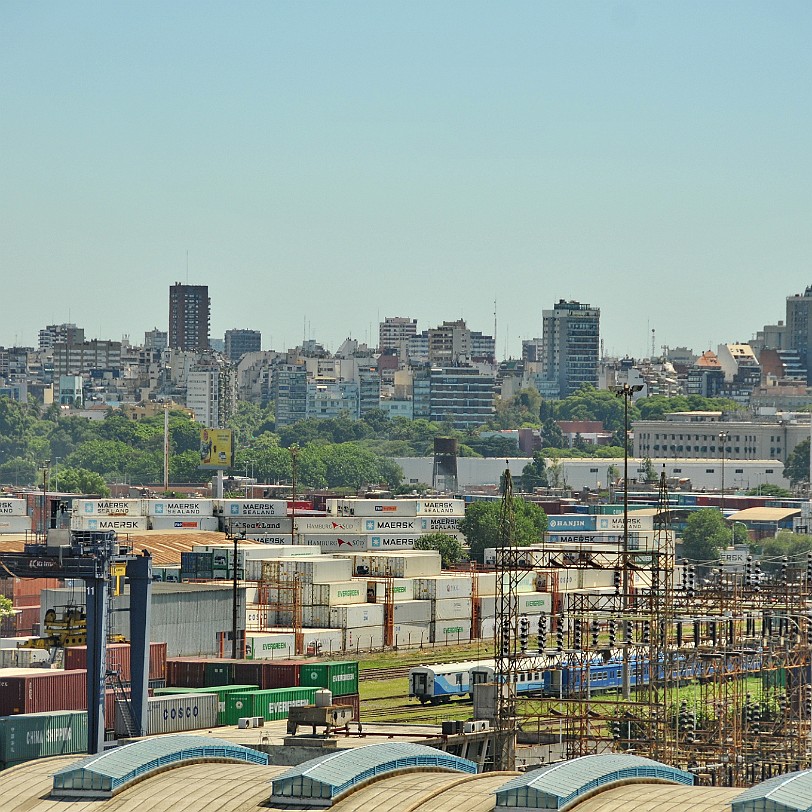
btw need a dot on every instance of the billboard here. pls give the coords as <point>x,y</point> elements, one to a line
<point>216,449</point>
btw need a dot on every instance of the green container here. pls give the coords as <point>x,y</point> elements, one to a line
<point>340,677</point>
<point>271,704</point>
<point>218,673</point>
<point>36,735</point>
<point>222,692</point>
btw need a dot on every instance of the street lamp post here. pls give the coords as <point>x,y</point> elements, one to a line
<point>723,438</point>
<point>294,454</point>
<point>627,393</point>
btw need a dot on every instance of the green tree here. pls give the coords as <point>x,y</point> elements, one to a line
<point>649,474</point>
<point>796,469</point>
<point>793,546</point>
<point>768,489</point>
<point>6,609</point>
<point>447,545</point>
<point>80,480</point>
<point>480,525</point>
<point>551,435</point>
<point>705,535</point>
<point>534,474</point>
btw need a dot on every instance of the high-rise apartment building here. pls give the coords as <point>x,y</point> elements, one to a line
<point>156,340</point>
<point>239,342</point>
<point>450,344</point>
<point>571,347</point>
<point>60,334</point>
<point>394,333</point>
<point>189,317</point>
<point>799,327</point>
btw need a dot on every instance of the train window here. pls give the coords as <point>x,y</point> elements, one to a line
<point>459,679</point>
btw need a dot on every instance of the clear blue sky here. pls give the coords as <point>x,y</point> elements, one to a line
<point>336,162</point>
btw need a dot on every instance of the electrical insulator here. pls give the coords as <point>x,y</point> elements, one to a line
<point>691,580</point>
<point>506,638</point>
<point>612,632</point>
<point>808,570</point>
<point>784,569</point>
<point>615,729</point>
<point>559,633</point>
<point>617,580</point>
<point>596,630</point>
<point>646,633</point>
<point>748,571</point>
<point>757,577</point>
<point>679,634</point>
<point>524,633</point>
<point>542,633</point>
<point>576,634</point>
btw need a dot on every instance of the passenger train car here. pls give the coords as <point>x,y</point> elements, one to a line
<point>441,682</point>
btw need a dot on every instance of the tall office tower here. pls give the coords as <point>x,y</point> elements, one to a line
<point>239,342</point>
<point>799,334</point>
<point>571,348</point>
<point>394,333</point>
<point>189,317</point>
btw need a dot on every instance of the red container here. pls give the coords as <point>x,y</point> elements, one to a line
<point>354,700</point>
<point>185,672</point>
<point>268,673</point>
<point>26,591</point>
<point>118,659</point>
<point>25,620</point>
<point>43,691</point>
<point>157,661</point>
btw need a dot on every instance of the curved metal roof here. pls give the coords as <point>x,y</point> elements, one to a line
<point>557,786</point>
<point>321,781</point>
<point>102,775</point>
<point>791,792</point>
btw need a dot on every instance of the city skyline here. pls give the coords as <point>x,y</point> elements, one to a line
<point>321,168</point>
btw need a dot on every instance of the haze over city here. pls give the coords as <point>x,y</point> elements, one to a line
<point>323,166</point>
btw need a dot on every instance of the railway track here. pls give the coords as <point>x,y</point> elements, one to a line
<point>396,672</point>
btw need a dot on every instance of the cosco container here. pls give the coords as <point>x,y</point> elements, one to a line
<point>174,714</point>
<point>39,690</point>
<point>37,735</point>
<point>271,705</point>
<point>221,692</point>
<point>451,609</point>
<point>367,614</point>
<point>250,507</point>
<point>412,612</point>
<point>443,586</point>
<point>339,677</point>
<point>179,507</point>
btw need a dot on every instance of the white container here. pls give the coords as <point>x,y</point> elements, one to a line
<point>367,614</point>
<point>415,564</point>
<point>451,632</point>
<point>451,609</point>
<point>388,524</point>
<point>412,612</point>
<point>372,507</point>
<point>324,698</point>
<point>108,507</point>
<point>402,590</point>
<point>487,628</point>
<point>276,540</point>
<point>327,524</point>
<point>176,713</point>
<point>337,593</point>
<point>535,603</point>
<point>485,583</point>
<point>338,542</point>
<point>441,507</point>
<point>313,617</point>
<point>440,524</point>
<point>443,586</point>
<point>322,641</point>
<point>591,579</point>
<point>24,658</point>
<point>392,541</point>
<point>259,525</point>
<point>487,606</point>
<point>201,523</point>
<point>269,645</point>
<point>614,522</point>
<point>179,507</point>
<point>117,523</point>
<point>366,638</point>
<point>250,507</point>
<point>12,507</point>
<point>321,569</point>
<point>411,634</point>
<point>15,524</point>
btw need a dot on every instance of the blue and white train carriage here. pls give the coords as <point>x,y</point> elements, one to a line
<point>441,682</point>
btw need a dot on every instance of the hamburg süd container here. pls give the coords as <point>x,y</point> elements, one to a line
<point>28,736</point>
<point>271,705</point>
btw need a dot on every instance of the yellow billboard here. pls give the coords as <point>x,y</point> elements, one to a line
<point>216,448</point>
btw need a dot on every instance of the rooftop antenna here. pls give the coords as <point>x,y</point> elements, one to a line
<point>494,323</point>
<point>653,343</point>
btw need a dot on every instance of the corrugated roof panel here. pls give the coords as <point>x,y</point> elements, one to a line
<point>791,792</point>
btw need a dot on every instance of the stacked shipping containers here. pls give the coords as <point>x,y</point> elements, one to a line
<point>14,516</point>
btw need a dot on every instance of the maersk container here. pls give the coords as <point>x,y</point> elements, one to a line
<point>179,507</point>
<point>271,705</point>
<point>402,590</point>
<point>443,586</point>
<point>340,593</point>
<point>411,612</point>
<point>250,507</point>
<point>38,690</point>
<point>441,507</point>
<point>12,507</point>
<point>305,525</point>
<point>38,735</point>
<point>385,524</point>
<point>121,524</point>
<point>392,541</point>
<point>451,632</point>
<point>371,507</point>
<point>367,614</point>
<point>440,524</point>
<point>451,609</point>
<point>365,638</point>
<point>276,540</point>
<point>177,713</point>
<point>221,692</point>
<point>340,677</point>
<point>108,507</point>
<point>201,523</point>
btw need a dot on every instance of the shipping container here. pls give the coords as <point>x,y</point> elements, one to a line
<point>41,690</point>
<point>322,641</point>
<point>121,524</point>
<point>271,704</point>
<point>443,586</point>
<point>402,590</point>
<point>265,538</point>
<point>250,507</point>
<point>196,566</point>
<point>353,701</point>
<point>282,673</point>
<point>108,507</point>
<point>221,692</point>
<point>451,632</point>
<point>179,507</point>
<point>202,523</point>
<point>393,541</point>
<point>411,612</point>
<point>338,593</point>
<point>24,657</point>
<point>368,614</point>
<point>39,735</point>
<point>12,507</point>
<point>570,521</point>
<point>321,569</point>
<point>411,634</point>
<point>451,609</point>
<point>372,507</point>
<point>333,542</point>
<point>198,672</point>
<point>118,659</point>
<point>385,524</point>
<point>166,575</point>
<point>485,583</point>
<point>341,677</point>
<point>177,713</point>
<point>418,564</point>
<point>265,645</point>
<point>15,524</point>
<point>440,524</point>
<point>535,603</point>
<point>305,525</point>
<point>270,525</point>
<point>365,638</point>
<point>441,507</point>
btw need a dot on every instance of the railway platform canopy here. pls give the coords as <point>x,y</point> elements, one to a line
<point>791,792</point>
<point>103,775</point>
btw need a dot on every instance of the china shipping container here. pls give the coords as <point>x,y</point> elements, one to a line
<point>271,705</point>
<point>27,736</point>
<point>41,690</point>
